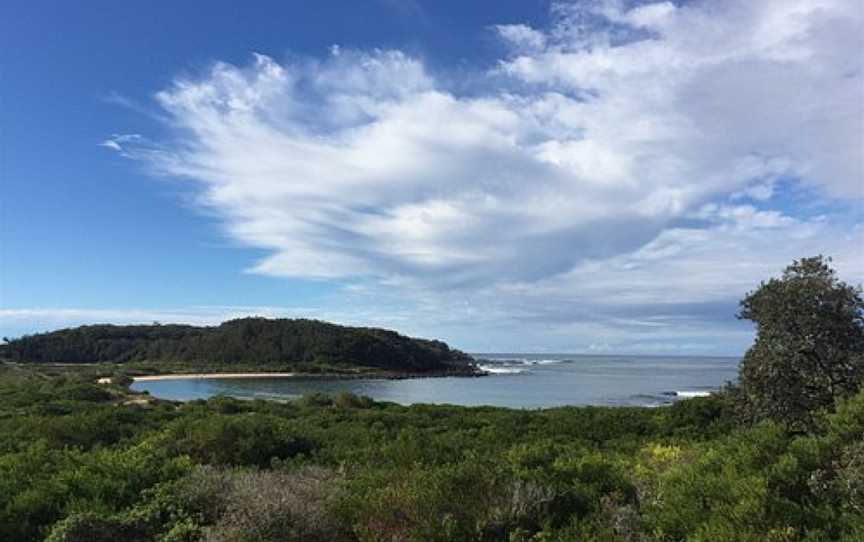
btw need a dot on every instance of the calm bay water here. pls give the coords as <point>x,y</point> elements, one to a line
<point>518,381</point>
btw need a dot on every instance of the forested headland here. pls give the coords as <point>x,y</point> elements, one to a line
<point>284,344</point>
<point>777,457</point>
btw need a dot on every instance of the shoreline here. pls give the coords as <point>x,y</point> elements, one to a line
<point>198,376</point>
<point>340,376</point>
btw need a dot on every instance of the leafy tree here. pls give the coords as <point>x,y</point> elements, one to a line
<point>809,348</point>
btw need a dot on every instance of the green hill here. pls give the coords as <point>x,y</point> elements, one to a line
<point>289,344</point>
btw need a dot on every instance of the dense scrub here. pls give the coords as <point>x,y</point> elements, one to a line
<point>302,344</point>
<point>77,464</point>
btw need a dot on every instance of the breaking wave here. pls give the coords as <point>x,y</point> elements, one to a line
<point>501,369</point>
<point>688,393</point>
<point>527,361</point>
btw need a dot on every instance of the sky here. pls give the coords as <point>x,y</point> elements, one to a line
<point>595,176</point>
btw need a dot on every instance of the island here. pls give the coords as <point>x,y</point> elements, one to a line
<point>245,346</point>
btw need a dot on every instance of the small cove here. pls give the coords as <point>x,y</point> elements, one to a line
<point>516,381</point>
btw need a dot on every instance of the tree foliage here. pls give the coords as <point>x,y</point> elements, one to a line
<point>251,341</point>
<point>809,347</point>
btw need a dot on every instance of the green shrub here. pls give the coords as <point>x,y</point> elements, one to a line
<point>236,505</point>
<point>243,439</point>
<point>430,503</point>
<point>349,400</point>
<point>701,416</point>
<point>89,527</point>
<point>316,399</point>
<point>280,507</point>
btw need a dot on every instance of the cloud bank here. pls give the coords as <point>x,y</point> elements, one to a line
<point>653,159</point>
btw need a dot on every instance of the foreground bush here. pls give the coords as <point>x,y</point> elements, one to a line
<point>222,505</point>
<point>247,439</point>
<point>349,470</point>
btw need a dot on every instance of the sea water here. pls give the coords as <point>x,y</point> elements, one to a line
<point>515,380</point>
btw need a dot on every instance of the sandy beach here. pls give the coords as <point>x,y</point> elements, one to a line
<point>195,376</point>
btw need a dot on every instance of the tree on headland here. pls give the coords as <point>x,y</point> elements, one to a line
<point>809,348</point>
<point>290,344</point>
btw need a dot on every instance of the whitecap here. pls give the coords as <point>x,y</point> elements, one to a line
<point>499,370</point>
<point>528,361</point>
<point>551,361</point>
<point>688,394</point>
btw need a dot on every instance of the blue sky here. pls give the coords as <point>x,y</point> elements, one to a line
<point>597,176</point>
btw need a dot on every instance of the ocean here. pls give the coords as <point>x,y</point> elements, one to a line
<point>516,381</point>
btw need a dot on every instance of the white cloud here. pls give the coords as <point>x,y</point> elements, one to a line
<point>111,144</point>
<point>522,36</point>
<point>119,142</point>
<point>691,265</point>
<point>569,180</point>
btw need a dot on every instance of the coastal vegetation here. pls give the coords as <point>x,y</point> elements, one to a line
<point>809,347</point>
<point>247,343</point>
<point>83,462</point>
<point>86,462</point>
